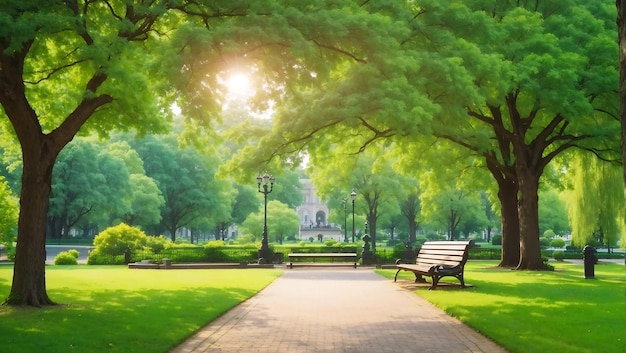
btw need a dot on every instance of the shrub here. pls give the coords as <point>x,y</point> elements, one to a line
<point>544,242</point>
<point>330,242</point>
<point>115,240</point>
<point>67,258</point>
<point>394,242</point>
<point>245,239</point>
<point>400,251</point>
<point>558,255</point>
<point>557,243</point>
<point>74,253</point>
<point>156,244</point>
<point>549,234</point>
<point>496,239</point>
<point>572,248</point>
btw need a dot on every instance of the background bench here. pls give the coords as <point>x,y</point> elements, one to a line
<point>332,254</point>
<point>438,259</point>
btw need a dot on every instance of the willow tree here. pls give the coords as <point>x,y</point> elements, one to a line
<point>596,206</point>
<point>70,66</point>
<point>621,30</point>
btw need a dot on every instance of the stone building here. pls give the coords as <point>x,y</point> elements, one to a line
<point>313,215</point>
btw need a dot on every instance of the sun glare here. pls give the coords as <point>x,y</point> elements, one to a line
<point>239,84</point>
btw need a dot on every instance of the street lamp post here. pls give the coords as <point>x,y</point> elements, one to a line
<point>353,196</point>
<point>345,221</point>
<point>264,180</point>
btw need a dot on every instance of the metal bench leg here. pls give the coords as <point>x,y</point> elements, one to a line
<point>419,278</point>
<point>435,281</point>
<point>396,277</point>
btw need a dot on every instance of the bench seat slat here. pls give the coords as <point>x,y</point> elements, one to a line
<point>442,262</point>
<point>442,252</point>
<point>445,257</point>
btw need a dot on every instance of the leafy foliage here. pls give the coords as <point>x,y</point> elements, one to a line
<point>115,240</point>
<point>596,204</point>
<point>66,258</point>
<point>8,214</point>
<point>557,243</point>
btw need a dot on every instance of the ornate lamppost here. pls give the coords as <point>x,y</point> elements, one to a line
<point>345,221</point>
<point>353,196</point>
<point>267,181</point>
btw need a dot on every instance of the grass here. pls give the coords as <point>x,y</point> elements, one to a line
<point>530,312</point>
<point>114,309</point>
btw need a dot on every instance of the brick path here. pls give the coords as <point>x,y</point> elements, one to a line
<point>336,311</point>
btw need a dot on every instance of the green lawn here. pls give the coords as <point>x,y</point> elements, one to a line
<point>531,312</point>
<point>114,309</point>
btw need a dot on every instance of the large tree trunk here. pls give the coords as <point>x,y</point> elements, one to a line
<point>506,178</point>
<point>372,230</point>
<point>29,280</point>
<point>528,212</point>
<point>412,231</point>
<point>507,194</point>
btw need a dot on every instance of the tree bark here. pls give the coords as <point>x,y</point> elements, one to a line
<point>528,210</point>
<point>506,179</point>
<point>507,194</point>
<point>410,208</point>
<point>29,280</point>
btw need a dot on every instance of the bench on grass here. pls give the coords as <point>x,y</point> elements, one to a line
<point>438,259</point>
<point>351,256</point>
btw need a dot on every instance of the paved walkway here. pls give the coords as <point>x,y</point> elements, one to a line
<point>336,311</point>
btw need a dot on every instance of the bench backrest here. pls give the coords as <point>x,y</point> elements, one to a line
<point>447,253</point>
<point>323,249</point>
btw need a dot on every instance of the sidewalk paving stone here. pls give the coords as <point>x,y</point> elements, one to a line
<point>336,311</point>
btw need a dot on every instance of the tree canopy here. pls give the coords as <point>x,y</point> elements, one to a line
<point>97,66</point>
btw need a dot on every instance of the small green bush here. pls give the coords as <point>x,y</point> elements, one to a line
<point>496,239</point>
<point>544,242</point>
<point>74,253</point>
<point>557,243</point>
<point>549,234</point>
<point>330,242</point>
<point>115,240</point>
<point>558,255</point>
<point>66,258</point>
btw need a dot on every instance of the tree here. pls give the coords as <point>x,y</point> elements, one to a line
<point>281,221</point>
<point>595,206</point>
<point>369,173</point>
<point>89,186</point>
<point>552,213</point>
<point>528,108</point>
<point>67,66</point>
<point>146,202</point>
<point>493,219</point>
<point>186,178</point>
<point>450,208</point>
<point>550,88</point>
<point>621,32</point>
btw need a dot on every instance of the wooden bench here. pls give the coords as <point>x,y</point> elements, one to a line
<point>332,256</point>
<point>438,259</point>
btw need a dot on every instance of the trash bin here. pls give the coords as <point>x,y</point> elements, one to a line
<point>167,263</point>
<point>589,259</point>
